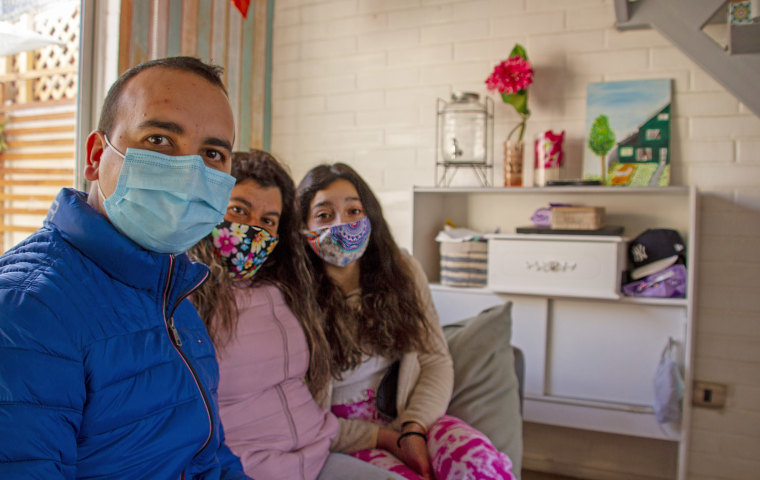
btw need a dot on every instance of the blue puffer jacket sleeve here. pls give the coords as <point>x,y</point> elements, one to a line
<point>42,391</point>
<point>106,370</point>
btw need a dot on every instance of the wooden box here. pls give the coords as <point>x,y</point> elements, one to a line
<point>578,218</point>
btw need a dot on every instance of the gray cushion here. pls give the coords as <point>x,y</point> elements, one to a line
<point>486,392</point>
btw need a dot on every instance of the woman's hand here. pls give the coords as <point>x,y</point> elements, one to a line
<point>410,449</point>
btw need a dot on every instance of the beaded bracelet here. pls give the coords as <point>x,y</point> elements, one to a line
<point>408,434</point>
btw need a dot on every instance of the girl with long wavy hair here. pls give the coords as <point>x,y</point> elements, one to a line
<point>260,310</point>
<point>392,372</point>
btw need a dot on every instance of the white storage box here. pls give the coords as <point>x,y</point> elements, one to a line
<point>566,265</point>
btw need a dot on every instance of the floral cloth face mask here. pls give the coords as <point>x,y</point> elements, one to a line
<point>243,249</point>
<point>340,244</point>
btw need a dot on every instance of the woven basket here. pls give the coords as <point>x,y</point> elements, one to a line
<point>464,264</point>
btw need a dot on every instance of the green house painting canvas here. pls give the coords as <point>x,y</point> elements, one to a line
<point>628,133</point>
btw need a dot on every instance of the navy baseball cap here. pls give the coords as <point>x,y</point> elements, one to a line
<point>655,249</point>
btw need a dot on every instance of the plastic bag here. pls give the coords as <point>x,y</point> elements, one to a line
<point>668,386</point>
<point>667,283</point>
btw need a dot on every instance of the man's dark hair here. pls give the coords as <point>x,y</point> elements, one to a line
<point>212,73</point>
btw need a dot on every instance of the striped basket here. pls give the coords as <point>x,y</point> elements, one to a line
<point>464,264</point>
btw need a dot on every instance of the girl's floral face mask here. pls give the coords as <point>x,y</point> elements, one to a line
<point>340,244</point>
<point>243,249</point>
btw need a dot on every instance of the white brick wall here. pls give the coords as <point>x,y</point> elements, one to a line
<point>356,81</point>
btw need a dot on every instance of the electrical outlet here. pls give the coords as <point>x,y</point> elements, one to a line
<point>709,395</point>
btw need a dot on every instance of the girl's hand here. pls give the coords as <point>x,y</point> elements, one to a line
<point>412,449</point>
<point>414,453</point>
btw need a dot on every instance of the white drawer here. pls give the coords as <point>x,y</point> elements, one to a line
<point>572,265</point>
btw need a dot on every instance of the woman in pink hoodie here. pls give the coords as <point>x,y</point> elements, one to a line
<point>260,310</point>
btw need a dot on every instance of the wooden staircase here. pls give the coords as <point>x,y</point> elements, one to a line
<point>682,22</point>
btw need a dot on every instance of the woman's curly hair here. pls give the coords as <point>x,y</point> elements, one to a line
<point>286,268</point>
<point>390,320</point>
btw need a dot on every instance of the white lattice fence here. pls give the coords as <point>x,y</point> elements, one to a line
<point>62,59</point>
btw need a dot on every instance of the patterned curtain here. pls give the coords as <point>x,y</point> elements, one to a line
<point>216,32</point>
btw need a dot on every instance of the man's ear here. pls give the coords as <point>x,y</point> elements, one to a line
<point>95,146</point>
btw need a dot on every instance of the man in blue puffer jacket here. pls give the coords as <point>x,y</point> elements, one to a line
<point>106,370</point>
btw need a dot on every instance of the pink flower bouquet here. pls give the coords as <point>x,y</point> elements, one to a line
<point>511,78</point>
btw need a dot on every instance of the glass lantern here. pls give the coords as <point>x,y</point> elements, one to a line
<point>464,137</point>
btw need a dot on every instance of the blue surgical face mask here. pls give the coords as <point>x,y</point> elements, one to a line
<point>166,204</point>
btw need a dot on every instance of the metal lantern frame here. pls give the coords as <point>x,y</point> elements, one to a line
<point>446,169</point>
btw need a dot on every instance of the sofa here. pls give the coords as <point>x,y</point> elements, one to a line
<point>488,373</point>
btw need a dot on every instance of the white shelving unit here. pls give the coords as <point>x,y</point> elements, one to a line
<point>590,361</point>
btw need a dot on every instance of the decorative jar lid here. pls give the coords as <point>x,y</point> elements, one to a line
<point>465,96</point>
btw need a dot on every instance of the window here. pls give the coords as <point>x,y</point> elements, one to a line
<point>644,154</point>
<point>653,134</point>
<point>37,113</point>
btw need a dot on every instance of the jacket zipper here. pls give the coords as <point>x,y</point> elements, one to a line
<point>171,330</point>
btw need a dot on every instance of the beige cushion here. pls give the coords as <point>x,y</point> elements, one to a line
<point>485,384</point>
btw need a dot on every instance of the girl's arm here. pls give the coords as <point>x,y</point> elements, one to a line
<point>429,398</point>
<point>355,435</point>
